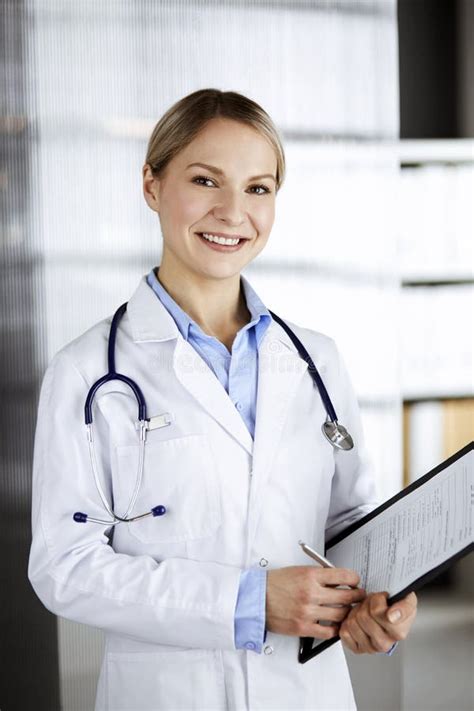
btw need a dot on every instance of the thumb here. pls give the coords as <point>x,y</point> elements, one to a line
<point>406,607</point>
<point>394,614</point>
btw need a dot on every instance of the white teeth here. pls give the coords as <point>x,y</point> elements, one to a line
<point>220,240</point>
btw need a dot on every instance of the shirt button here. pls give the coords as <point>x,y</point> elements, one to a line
<point>263,562</point>
<point>238,405</point>
<point>250,645</point>
<point>268,649</point>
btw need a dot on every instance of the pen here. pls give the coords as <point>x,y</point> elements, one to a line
<point>322,561</point>
<point>316,556</point>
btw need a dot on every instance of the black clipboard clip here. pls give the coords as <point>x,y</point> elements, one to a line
<point>307,651</point>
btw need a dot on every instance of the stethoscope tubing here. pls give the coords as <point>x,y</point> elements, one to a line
<point>142,410</point>
<point>113,375</point>
<point>311,368</point>
<point>143,422</point>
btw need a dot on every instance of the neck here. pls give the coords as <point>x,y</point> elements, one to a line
<point>217,305</point>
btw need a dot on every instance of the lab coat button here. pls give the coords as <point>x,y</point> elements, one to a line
<point>263,562</point>
<point>250,645</point>
<point>268,649</point>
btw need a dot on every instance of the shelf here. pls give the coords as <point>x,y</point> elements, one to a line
<point>433,397</point>
<point>431,281</point>
<point>413,152</point>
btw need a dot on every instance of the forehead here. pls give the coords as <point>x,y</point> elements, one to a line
<point>223,140</point>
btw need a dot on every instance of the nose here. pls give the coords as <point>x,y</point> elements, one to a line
<point>230,208</point>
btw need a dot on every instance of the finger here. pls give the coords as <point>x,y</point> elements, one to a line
<point>334,614</point>
<point>379,639</point>
<point>361,638</point>
<point>319,631</point>
<point>377,603</point>
<point>338,576</point>
<point>347,640</point>
<point>335,596</point>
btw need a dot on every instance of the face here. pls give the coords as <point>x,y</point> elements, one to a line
<point>231,193</point>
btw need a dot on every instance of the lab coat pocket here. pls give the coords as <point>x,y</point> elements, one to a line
<point>183,680</point>
<point>180,474</point>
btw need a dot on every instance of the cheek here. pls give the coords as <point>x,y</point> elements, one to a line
<point>186,208</point>
<point>264,218</point>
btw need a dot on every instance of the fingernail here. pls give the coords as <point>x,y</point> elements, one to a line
<point>394,615</point>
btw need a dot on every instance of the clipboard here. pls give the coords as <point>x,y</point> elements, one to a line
<point>306,649</point>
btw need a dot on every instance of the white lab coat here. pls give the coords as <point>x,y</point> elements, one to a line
<point>164,591</point>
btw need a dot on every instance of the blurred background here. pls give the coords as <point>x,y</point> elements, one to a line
<point>372,245</point>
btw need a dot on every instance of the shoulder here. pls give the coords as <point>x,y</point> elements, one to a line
<point>331,367</point>
<point>86,354</point>
<point>320,346</point>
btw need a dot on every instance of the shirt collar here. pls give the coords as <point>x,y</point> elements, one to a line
<point>183,321</point>
<point>260,317</point>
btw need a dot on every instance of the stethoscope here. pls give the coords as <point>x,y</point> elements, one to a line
<point>335,433</point>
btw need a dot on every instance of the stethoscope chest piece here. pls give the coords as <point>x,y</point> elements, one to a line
<point>337,435</point>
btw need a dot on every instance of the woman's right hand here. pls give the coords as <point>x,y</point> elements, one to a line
<point>300,596</point>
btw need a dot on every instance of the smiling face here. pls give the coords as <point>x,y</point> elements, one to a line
<point>231,193</point>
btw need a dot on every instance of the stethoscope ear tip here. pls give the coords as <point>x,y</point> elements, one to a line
<point>80,517</point>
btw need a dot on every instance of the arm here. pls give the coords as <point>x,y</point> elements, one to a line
<point>72,567</point>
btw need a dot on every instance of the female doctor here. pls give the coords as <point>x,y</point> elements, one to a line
<point>203,601</point>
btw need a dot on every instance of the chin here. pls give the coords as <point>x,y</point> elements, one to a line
<point>222,271</point>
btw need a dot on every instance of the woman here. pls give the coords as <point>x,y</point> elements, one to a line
<point>203,605</point>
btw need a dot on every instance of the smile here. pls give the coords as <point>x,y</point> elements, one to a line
<point>220,240</point>
<point>221,244</point>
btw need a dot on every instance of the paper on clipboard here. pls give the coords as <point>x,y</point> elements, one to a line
<point>410,538</point>
<point>414,535</point>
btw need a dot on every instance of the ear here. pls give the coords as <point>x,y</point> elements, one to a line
<point>151,188</point>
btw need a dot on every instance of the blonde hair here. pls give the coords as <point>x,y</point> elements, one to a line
<point>184,119</point>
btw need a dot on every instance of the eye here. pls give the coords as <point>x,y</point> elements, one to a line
<point>262,187</point>
<point>201,177</point>
<point>205,178</point>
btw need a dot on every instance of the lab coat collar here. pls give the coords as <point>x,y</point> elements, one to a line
<point>259,314</point>
<point>149,319</point>
<point>280,370</point>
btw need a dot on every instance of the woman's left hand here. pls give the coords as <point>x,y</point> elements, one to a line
<point>372,626</point>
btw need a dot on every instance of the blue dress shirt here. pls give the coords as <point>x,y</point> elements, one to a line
<point>238,373</point>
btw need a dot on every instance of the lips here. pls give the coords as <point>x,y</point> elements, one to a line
<point>221,234</point>
<point>221,247</point>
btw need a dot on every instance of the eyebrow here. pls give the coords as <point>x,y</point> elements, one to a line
<point>220,172</point>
